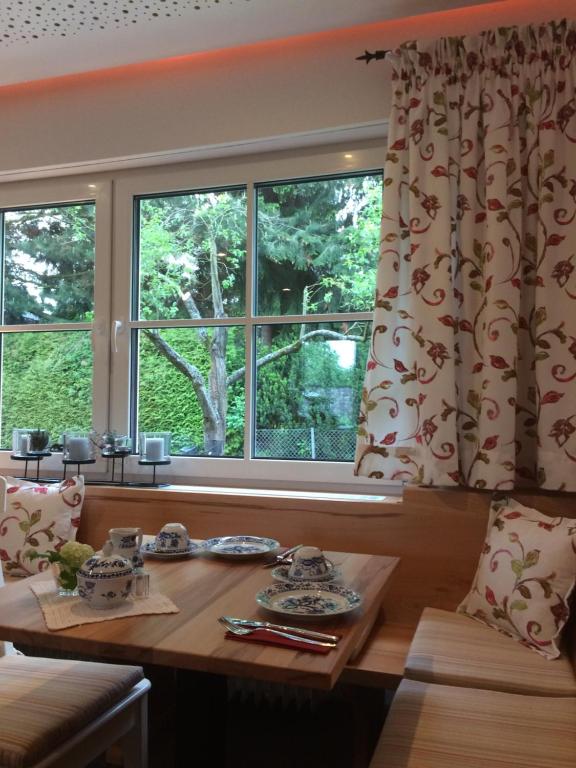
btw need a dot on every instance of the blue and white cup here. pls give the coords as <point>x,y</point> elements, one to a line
<point>172,538</point>
<point>309,563</point>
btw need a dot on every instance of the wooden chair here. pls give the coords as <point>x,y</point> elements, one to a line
<point>57,713</point>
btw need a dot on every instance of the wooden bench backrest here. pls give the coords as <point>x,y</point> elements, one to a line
<point>437,534</point>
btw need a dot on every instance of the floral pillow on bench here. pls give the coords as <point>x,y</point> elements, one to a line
<point>37,517</point>
<point>526,573</point>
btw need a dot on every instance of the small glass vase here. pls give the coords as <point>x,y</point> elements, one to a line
<point>66,580</point>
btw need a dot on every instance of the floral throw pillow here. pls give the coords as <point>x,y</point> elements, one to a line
<point>37,517</point>
<point>526,573</point>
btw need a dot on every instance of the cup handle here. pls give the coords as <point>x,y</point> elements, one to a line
<point>140,538</point>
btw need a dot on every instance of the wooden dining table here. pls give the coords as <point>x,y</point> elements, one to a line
<point>204,587</point>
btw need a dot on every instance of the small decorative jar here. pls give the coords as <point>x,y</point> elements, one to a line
<point>105,581</point>
<point>78,446</point>
<point>114,445</point>
<point>155,447</point>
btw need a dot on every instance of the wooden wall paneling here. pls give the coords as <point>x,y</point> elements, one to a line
<point>437,534</point>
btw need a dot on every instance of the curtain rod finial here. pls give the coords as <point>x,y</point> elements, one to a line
<point>368,56</point>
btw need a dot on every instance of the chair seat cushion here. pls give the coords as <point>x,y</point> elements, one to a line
<point>453,649</point>
<point>44,702</point>
<point>439,726</point>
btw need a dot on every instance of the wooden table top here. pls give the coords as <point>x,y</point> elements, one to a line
<point>205,587</point>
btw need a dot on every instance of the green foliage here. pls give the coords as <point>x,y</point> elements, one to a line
<point>49,263</point>
<point>47,383</point>
<point>168,403</point>
<point>181,238</point>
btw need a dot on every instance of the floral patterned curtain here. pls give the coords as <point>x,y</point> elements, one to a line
<point>471,378</point>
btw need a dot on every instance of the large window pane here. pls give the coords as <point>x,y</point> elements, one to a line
<point>191,255</point>
<point>309,383</point>
<point>46,382</point>
<point>191,383</point>
<point>49,264</point>
<point>317,245</point>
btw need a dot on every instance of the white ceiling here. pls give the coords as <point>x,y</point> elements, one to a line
<point>47,38</point>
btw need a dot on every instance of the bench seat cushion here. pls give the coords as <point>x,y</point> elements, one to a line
<point>452,649</point>
<point>438,726</point>
<point>44,702</point>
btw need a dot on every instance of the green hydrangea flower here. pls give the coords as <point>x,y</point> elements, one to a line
<point>73,554</point>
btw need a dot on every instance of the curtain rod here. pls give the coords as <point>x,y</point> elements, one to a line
<point>367,56</point>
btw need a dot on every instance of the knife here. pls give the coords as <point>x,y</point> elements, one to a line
<point>295,630</point>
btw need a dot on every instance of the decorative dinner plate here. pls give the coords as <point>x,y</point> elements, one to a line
<point>150,550</point>
<point>309,599</point>
<point>281,573</point>
<point>241,546</point>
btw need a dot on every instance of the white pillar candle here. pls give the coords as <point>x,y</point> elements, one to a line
<point>78,448</point>
<point>24,443</point>
<point>154,449</point>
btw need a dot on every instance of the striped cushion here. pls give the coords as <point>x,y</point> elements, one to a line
<point>453,649</point>
<point>43,702</point>
<point>438,726</point>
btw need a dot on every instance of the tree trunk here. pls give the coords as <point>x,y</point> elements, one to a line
<point>215,438</point>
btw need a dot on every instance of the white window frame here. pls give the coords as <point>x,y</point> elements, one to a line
<point>230,172</point>
<point>114,194</point>
<point>54,192</point>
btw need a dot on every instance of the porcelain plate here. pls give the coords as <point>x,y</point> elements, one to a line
<point>150,550</point>
<point>241,546</point>
<point>310,598</point>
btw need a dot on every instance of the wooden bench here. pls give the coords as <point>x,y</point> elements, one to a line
<point>437,534</point>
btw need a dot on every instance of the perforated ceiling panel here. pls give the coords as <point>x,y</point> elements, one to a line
<point>26,22</point>
<point>46,38</point>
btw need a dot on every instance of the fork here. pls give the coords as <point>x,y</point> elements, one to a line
<point>240,631</point>
<point>255,624</point>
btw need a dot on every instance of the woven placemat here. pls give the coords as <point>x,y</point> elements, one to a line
<point>63,612</point>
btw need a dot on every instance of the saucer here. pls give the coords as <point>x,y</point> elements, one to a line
<point>150,550</point>
<point>241,546</point>
<point>309,599</point>
<point>281,573</point>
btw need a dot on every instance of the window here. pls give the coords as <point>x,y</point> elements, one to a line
<point>235,312</point>
<point>48,286</point>
<point>314,259</point>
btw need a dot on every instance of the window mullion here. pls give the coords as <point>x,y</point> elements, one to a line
<point>100,327</point>
<point>249,378</point>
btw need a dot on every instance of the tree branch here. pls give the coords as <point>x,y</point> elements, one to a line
<point>192,308</point>
<point>192,373</point>
<point>289,349</point>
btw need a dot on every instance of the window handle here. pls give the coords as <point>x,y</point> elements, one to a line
<point>117,328</point>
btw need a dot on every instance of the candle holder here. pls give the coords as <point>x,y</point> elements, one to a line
<point>78,449</point>
<point>21,441</point>
<point>113,447</point>
<point>154,449</point>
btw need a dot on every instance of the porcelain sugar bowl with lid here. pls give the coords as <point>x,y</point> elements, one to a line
<point>105,581</point>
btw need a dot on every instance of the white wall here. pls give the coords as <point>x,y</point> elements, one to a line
<point>267,90</point>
